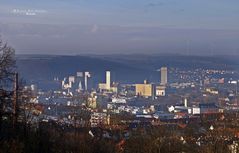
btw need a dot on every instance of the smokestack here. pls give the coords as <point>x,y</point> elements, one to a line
<point>185,102</point>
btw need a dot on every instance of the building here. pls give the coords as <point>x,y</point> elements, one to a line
<point>66,85</point>
<point>102,86</point>
<point>79,74</point>
<point>108,80</point>
<point>164,76</point>
<point>160,91</point>
<point>87,75</point>
<point>118,100</point>
<point>92,102</point>
<point>145,89</point>
<point>212,91</point>
<point>80,87</point>
<point>114,87</point>
<point>72,79</point>
<point>75,82</point>
<point>99,119</point>
<point>208,108</point>
<point>107,86</point>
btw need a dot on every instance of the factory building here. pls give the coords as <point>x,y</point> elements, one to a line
<point>146,89</point>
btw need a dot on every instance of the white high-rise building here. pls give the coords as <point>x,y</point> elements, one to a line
<point>108,80</point>
<point>72,79</point>
<point>79,74</point>
<point>87,75</point>
<point>80,86</point>
<point>164,75</point>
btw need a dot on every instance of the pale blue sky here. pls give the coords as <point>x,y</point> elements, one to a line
<point>113,26</point>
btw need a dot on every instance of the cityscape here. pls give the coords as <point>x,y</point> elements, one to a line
<point>200,101</point>
<point>110,76</point>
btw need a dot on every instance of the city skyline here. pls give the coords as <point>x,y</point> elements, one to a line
<point>110,76</point>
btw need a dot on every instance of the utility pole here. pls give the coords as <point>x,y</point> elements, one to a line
<point>236,93</point>
<point>15,99</point>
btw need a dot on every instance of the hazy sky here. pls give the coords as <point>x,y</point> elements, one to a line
<point>121,26</point>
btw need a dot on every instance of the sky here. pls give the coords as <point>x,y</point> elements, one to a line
<point>209,27</point>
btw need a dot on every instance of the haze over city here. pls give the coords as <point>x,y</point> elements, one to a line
<point>205,27</point>
<point>119,76</point>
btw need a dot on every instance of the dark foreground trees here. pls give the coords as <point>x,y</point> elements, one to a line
<point>7,63</point>
<point>7,73</point>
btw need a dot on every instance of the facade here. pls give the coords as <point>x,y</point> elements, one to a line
<point>160,91</point>
<point>92,102</point>
<point>99,119</point>
<point>212,91</point>
<point>102,86</point>
<point>108,80</point>
<point>164,75</point>
<point>66,84</point>
<point>145,90</point>
<point>76,83</point>
<point>87,75</point>
<point>208,108</point>
<point>72,79</point>
<point>114,87</point>
<point>79,74</point>
<point>107,86</point>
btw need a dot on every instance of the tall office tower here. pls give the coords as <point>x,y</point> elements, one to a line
<point>164,75</point>
<point>108,80</point>
<point>80,86</point>
<point>72,79</point>
<point>87,75</point>
<point>79,74</point>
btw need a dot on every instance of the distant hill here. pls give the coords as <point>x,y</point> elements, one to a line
<point>41,69</point>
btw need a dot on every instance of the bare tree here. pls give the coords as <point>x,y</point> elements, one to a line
<point>7,63</point>
<point>7,73</point>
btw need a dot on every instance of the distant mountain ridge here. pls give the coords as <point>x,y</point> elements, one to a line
<point>133,68</point>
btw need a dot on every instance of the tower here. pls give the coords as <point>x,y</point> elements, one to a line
<point>108,80</point>
<point>87,75</point>
<point>80,86</point>
<point>185,102</point>
<point>164,75</point>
